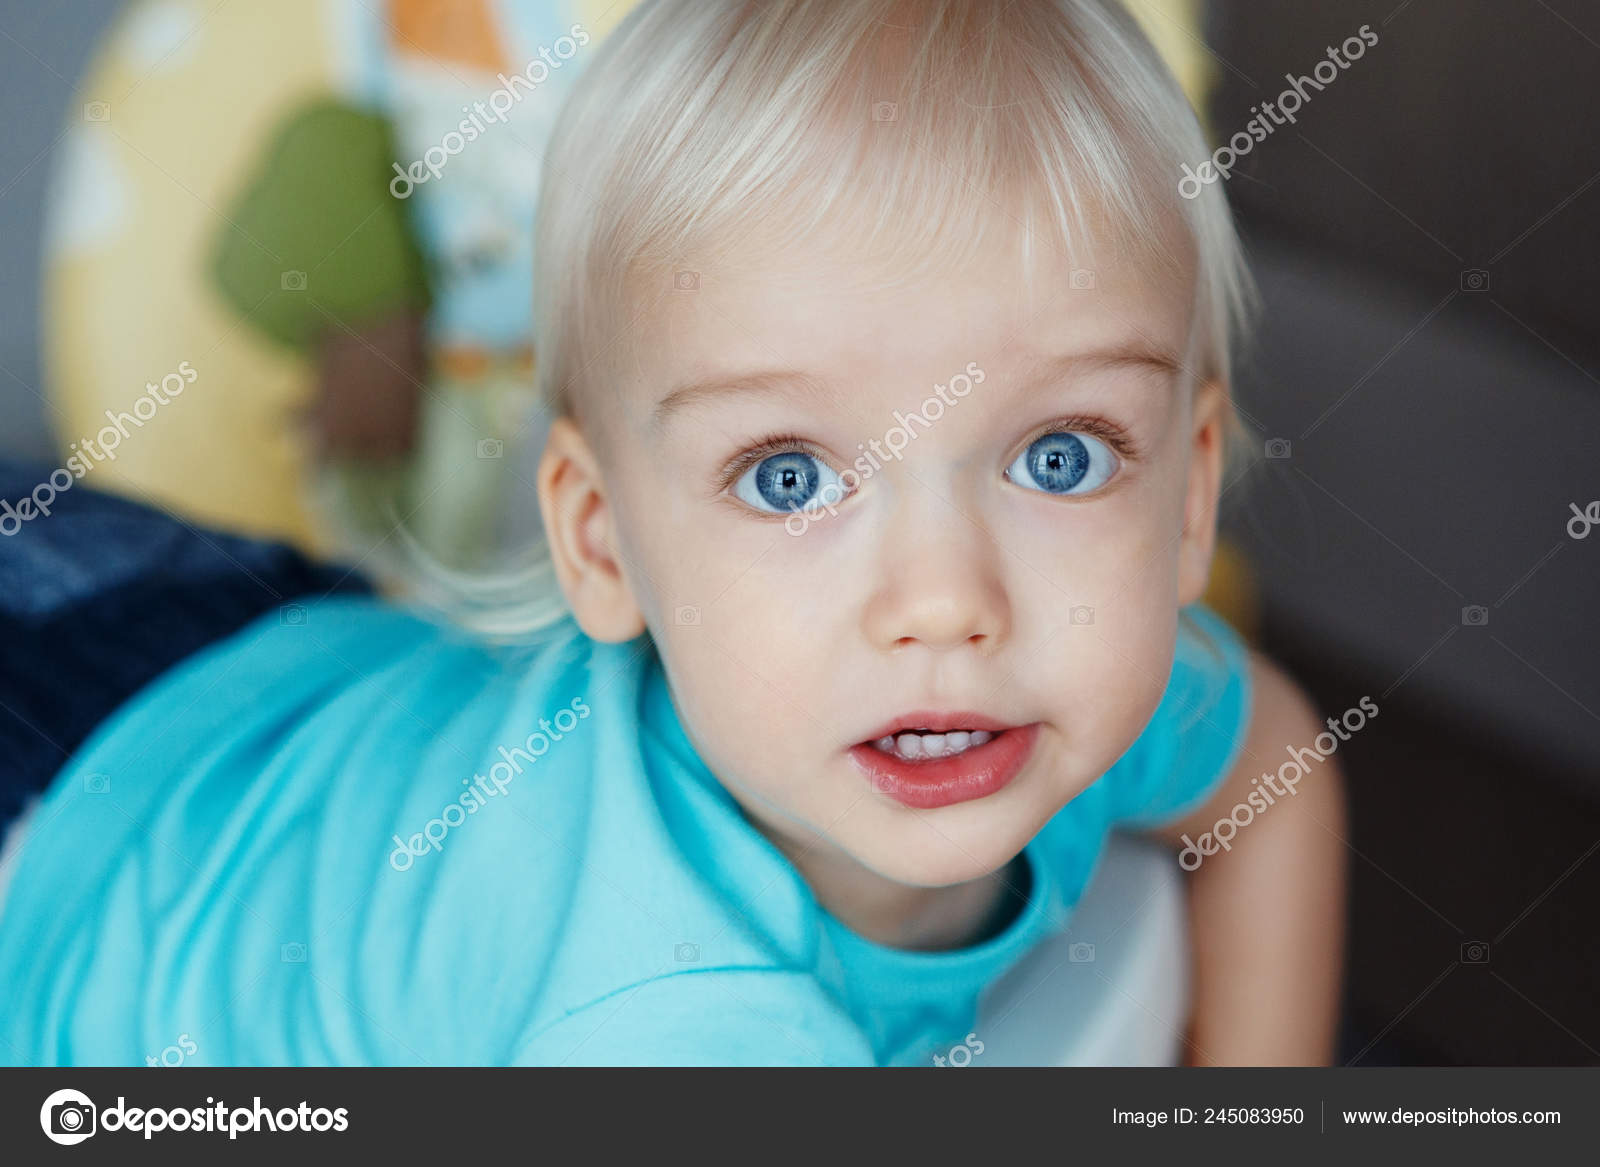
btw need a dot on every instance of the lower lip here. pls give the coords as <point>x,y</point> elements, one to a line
<point>976,773</point>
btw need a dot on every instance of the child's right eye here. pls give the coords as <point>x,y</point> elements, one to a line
<point>788,481</point>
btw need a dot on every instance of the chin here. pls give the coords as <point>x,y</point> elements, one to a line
<point>932,854</point>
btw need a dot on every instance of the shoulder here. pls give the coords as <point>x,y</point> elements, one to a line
<point>365,650</point>
<point>708,1017</point>
<point>1281,710</point>
<point>1286,740</point>
<point>1290,734</point>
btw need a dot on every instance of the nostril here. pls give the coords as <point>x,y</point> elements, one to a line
<point>976,640</point>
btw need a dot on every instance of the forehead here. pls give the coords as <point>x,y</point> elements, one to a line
<point>836,316</point>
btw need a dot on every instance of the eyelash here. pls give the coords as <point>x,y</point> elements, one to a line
<point>763,449</point>
<point>1109,432</point>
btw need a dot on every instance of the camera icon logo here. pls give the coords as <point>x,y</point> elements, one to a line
<point>1278,449</point>
<point>1083,280</point>
<point>686,953</point>
<point>885,111</point>
<point>292,953</point>
<point>97,111</point>
<point>1475,952</point>
<point>68,1117</point>
<point>1081,614</point>
<point>1081,953</point>
<point>687,615</point>
<point>292,615</point>
<point>1475,279</point>
<point>686,281</point>
<point>491,448</point>
<point>97,783</point>
<point>1474,615</point>
<point>293,281</point>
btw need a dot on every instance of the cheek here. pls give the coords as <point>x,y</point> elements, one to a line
<point>1106,682</point>
<point>1102,679</point>
<point>755,722</point>
<point>738,610</point>
<point>755,666</point>
<point>1103,553</point>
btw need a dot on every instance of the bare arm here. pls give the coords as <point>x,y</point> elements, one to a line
<point>1267,912</point>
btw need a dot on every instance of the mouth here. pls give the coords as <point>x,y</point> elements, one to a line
<point>928,760</point>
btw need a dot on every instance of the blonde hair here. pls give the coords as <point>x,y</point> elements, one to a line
<point>916,133</point>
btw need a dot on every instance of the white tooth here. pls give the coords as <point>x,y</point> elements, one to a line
<point>955,742</point>
<point>886,744</point>
<point>979,736</point>
<point>910,745</point>
<point>933,745</point>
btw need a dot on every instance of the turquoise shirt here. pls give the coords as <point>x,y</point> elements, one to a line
<point>363,838</point>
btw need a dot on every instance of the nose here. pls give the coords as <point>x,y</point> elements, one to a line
<point>939,585</point>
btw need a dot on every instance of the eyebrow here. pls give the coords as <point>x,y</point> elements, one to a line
<point>1124,356</point>
<point>767,382</point>
<point>775,382</point>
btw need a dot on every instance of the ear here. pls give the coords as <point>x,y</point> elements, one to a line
<point>1199,537</point>
<point>578,523</point>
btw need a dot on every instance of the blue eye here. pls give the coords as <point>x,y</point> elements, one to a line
<point>787,482</point>
<point>1064,463</point>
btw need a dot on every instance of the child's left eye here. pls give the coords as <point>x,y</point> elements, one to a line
<point>1064,463</point>
<point>787,481</point>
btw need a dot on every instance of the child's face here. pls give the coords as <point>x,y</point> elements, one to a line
<point>992,577</point>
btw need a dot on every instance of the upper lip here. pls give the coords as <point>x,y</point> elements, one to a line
<point>936,722</point>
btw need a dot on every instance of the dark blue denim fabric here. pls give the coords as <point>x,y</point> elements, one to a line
<point>99,597</point>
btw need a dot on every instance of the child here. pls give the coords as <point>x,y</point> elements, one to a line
<point>891,378</point>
